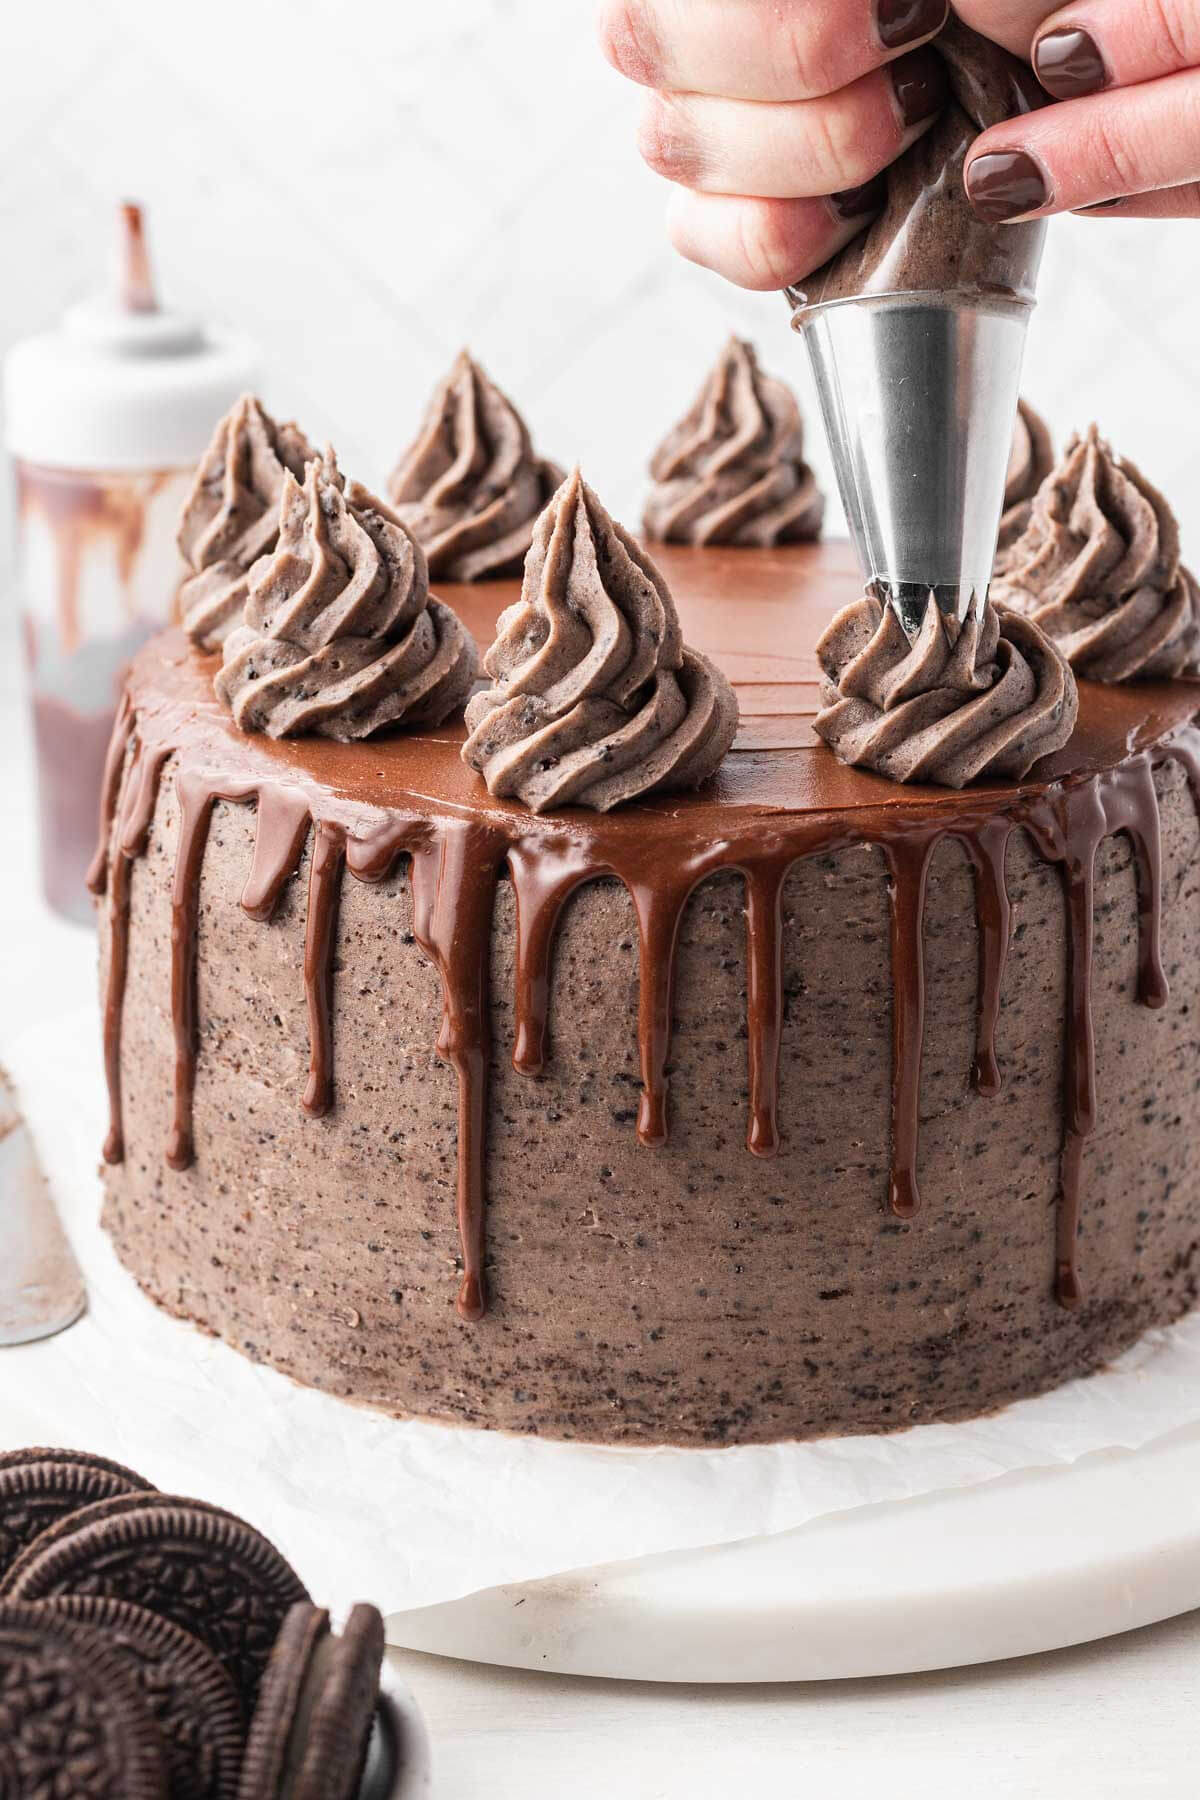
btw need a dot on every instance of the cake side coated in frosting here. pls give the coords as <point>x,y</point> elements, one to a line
<point>729,1117</point>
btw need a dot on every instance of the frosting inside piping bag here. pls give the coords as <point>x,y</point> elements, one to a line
<point>927,238</point>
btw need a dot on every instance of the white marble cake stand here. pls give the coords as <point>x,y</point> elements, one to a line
<point>1029,1562</point>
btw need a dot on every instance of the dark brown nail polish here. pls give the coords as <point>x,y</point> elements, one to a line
<point>1004,184</point>
<point>1068,63</point>
<point>858,202</point>
<point>901,22</point>
<point>920,84</point>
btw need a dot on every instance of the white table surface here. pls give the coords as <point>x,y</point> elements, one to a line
<point>1121,1717</point>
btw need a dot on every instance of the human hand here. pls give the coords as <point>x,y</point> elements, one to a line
<point>1125,136</point>
<point>776,123</point>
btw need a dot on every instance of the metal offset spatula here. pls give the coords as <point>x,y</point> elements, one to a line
<point>41,1287</point>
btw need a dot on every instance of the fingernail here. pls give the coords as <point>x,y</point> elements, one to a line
<point>1068,63</point>
<point>857,202</point>
<point>921,85</point>
<point>904,21</point>
<point>1004,184</point>
<point>1103,205</point>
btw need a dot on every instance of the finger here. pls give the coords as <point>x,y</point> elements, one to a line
<point>794,148</point>
<point>1013,23</point>
<point>1168,203</point>
<point>1123,141</point>
<point>1115,43</point>
<point>744,50</point>
<point>765,244</point>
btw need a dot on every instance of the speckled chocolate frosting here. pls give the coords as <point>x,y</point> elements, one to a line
<point>596,699</point>
<point>987,697</point>
<point>733,470</point>
<point>1030,462</point>
<point>1098,568</point>
<point>340,636</point>
<point>470,485</point>
<point>231,515</point>
<point>804,1103</point>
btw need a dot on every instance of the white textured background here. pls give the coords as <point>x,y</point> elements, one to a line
<point>366,186</point>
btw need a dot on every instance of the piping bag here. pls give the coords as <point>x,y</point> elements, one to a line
<point>916,332</point>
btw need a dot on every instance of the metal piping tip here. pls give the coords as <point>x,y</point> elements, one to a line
<point>919,394</point>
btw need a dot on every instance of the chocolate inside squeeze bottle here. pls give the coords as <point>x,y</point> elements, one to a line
<point>105,417</point>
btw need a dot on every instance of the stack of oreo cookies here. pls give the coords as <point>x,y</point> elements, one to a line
<point>158,1648</point>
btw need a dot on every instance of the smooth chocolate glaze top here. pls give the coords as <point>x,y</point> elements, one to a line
<point>927,237</point>
<point>778,796</point>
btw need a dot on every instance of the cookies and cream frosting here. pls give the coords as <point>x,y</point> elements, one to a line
<point>1030,461</point>
<point>231,515</point>
<point>470,486</point>
<point>341,636</point>
<point>732,471</point>
<point>1098,568</point>
<point>927,237</point>
<point>988,697</point>
<point>595,698</point>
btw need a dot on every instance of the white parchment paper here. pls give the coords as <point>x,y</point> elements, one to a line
<point>407,1514</point>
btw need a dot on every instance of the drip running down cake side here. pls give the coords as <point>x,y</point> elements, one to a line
<point>802,1103</point>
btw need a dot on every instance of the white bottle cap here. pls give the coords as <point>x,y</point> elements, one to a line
<point>122,383</point>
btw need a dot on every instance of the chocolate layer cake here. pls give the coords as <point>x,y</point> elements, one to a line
<point>804,1103</point>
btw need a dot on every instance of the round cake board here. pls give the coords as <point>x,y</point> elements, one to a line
<point>1029,1562</point>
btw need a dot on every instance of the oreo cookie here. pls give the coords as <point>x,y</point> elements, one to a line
<point>204,1569</point>
<point>40,1486</point>
<point>185,1690</point>
<point>74,1720</point>
<point>312,1726</point>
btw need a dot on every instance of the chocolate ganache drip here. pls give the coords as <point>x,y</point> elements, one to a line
<point>470,487</point>
<point>1097,567</point>
<point>341,636</point>
<point>733,470</point>
<point>595,697</point>
<point>231,515</point>
<point>1029,463</point>
<point>988,697</point>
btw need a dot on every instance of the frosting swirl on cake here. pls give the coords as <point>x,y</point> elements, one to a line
<point>1030,461</point>
<point>231,515</point>
<point>985,698</point>
<point>341,636</point>
<point>470,486</point>
<point>733,470</point>
<point>595,697</point>
<point>1097,567</point>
